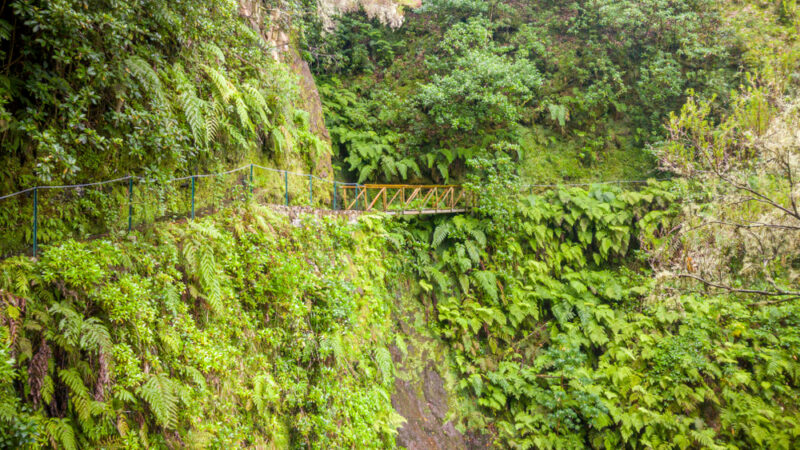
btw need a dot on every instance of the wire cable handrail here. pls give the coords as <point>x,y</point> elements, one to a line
<point>443,196</point>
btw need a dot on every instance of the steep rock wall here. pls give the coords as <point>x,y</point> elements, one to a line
<point>275,28</point>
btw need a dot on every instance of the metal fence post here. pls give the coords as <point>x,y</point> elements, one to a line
<point>335,188</point>
<point>130,203</point>
<point>286,186</point>
<point>35,217</point>
<point>251,180</point>
<point>192,197</point>
<point>311,190</point>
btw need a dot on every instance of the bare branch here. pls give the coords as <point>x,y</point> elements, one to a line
<point>775,293</point>
<point>754,225</point>
<point>773,302</point>
<point>759,196</point>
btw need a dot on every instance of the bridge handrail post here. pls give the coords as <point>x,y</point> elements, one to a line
<point>130,203</point>
<point>286,186</point>
<point>193,178</point>
<point>335,188</point>
<point>311,190</point>
<point>35,218</point>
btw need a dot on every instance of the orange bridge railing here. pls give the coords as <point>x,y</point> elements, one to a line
<point>406,199</point>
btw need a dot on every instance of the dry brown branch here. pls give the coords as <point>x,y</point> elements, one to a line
<point>791,295</point>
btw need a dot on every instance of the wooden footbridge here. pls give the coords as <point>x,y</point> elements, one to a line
<point>407,199</point>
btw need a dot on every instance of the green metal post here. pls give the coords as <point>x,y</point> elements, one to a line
<point>130,204</point>
<point>251,180</point>
<point>286,185</point>
<point>192,197</point>
<point>335,188</point>
<point>311,190</point>
<point>35,217</point>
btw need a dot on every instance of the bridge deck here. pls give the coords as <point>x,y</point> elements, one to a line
<point>417,212</point>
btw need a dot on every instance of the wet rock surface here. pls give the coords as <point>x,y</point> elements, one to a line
<point>424,406</point>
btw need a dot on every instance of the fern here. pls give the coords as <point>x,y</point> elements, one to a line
<point>215,111</point>
<point>61,432</point>
<point>222,86</point>
<point>383,360</point>
<point>193,110</point>
<point>478,235</point>
<point>95,336</point>
<point>199,256</point>
<point>214,51</point>
<point>148,77</point>
<point>488,282</point>
<point>256,103</point>
<point>241,111</point>
<point>472,251</point>
<point>440,234</point>
<point>74,382</point>
<point>159,393</point>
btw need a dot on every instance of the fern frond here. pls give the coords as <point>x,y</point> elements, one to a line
<point>389,167</point>
<point>472,250</point>
<point>384,362</point>
<point>95,336</point>
<point>214,111</point>
<point>148,77</point>
<point>223,87</point>
<point>257,104</point>
<point>212,50</point>
<point>193,111</point>
<point>278,141</point>
<point>61,432</point>
<point>488,282</point>
<point>241,111</point>
<point>440,234</point>
<point>159,393</point>
<point>478,236</point>
<point>74,382</point>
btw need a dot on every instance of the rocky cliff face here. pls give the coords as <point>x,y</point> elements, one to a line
<point>388,12</point>
<point>421,399</point>
<point>275,28</point>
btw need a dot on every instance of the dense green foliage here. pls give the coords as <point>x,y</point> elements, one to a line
<point>557,344</point>
<point>666,316</point>
<point>594,76</point>
<point>93,91</point>
<point>237,331</point>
